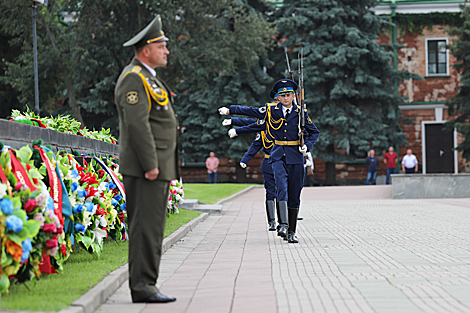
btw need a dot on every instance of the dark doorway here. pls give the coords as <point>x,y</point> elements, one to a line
<point>439,153</point>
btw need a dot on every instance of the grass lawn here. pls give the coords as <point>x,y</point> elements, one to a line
<point>81,272</point>
<point>211,193</point>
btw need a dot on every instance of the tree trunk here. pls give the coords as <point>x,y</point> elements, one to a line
<point>67,75</point>
<point>330,169</point>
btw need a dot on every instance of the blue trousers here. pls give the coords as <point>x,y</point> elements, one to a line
<point>212,178</point>
<point>269,186</point>
<point>289,181</point>
<point>390,171</point>
<point>369,176</point>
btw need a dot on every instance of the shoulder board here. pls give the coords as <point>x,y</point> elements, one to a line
<point>136,69</point>
<point>272,104</point>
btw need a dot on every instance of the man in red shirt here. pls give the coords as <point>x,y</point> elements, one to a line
<point>390,159</point>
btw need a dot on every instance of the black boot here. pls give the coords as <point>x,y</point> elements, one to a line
<point>291,237</point>
<point>270,215</point>
<point>282,219</point>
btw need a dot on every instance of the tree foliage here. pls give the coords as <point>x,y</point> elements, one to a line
<point>349,80</point>
<point>460,103</point>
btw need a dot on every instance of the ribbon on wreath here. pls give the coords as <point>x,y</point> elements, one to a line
<point>111,174</point>
<point>19,171</point>
<point>4,180</point>
<point>62,206</point>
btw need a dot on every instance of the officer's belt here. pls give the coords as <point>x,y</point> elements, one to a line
<point>266,156</point>
<point>287,143</point>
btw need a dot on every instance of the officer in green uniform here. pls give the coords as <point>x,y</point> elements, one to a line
<point>148,157</point>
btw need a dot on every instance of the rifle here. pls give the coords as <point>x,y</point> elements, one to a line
<point>299,96</point>
<point>302,103</point>
<point>291,77</point>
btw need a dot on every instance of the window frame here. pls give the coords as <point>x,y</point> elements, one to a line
<point>447,73</point>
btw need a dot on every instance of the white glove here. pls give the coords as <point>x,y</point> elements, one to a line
<point>232,133</point>
<point>303,149</point>
<point>227,122</point>
<point>243,165</point>
<point>308,163</point>
<point>223,111</point>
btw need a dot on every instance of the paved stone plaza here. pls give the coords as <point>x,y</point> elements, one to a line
<point>359,251</point>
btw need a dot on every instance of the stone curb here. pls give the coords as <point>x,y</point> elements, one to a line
<point>238,194</point>
<point>98,295</point>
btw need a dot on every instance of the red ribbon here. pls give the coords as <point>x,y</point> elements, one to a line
<point>19,171</point>
<point>55,184</point>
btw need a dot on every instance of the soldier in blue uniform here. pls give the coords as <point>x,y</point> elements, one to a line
<point>287,156</point>
<point>265,142</point>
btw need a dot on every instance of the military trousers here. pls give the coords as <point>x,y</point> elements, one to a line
<point>269,186</point>
<point>146,203</point>
<point>289,181</point>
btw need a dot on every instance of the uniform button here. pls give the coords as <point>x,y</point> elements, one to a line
<point>285,130</point>
<point>285,137</point>
<point>176,115</point>
<point>178,128</point>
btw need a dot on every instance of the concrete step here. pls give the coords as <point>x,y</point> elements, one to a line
<point>195,204</point>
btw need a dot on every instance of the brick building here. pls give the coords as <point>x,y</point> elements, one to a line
<point>425,54</point>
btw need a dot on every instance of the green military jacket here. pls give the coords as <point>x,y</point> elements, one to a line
<point>148,128</point>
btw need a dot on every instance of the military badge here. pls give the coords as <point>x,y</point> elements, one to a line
<point>132,97</point>
<point>257,136</point>
<point>309,120</point>
<point>262,110</point>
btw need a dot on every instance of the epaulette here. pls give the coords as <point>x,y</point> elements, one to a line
<point>271,103</point>
<point>136,69</point>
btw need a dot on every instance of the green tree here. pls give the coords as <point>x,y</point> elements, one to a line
<point>460,103</point>
<point>54,58</point>
<point>349,80</point>
<point>238,76</point>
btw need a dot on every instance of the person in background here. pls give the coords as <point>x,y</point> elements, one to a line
<point>372,165</point>
<point>409,163</point>
<point>309,168</point>
<point>390,160</point>
<point>212,164</point>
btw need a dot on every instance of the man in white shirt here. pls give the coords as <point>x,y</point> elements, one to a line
<point>409,164</point>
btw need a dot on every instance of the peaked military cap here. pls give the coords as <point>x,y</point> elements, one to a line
<point>285,86</point>
<point>273,94</point>
<point>152,33</point>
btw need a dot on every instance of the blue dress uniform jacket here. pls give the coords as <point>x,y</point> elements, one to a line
<point>258,144</point>
<point>282,130</point>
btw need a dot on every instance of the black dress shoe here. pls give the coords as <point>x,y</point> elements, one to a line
<point>292,238</point>
<point>272,225</point>
<point>300,218</point>
<point>282,230</point>
<point>157,298</point>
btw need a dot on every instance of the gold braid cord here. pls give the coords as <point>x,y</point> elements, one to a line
<point>162,99</point>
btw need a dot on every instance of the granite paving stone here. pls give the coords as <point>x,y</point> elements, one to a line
<point>359,250</point>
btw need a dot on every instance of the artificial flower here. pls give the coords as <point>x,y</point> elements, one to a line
<point>3,190</point>
<point>40,218</point>
<point>78,208</point>
<point>14,223</point>
<point>49,228</point>
<point>26,247</point>
<point>6,205</point>
<point>79,227</point>
<point>30,205</point>
<point>14,249</point>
